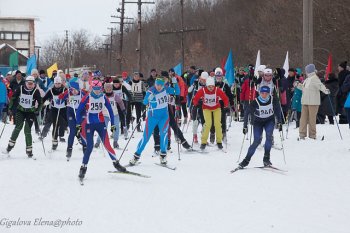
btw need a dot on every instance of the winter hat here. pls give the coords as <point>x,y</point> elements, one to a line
<point>265,89</point>
<point>96,84</point>
<point>310,68</point>
<point>343,64</point>
<point>172,70</point>
<point>261,68</point>
<point>57,80</point>
<point>210,81</point>
<point>18,72</point>
<point>160,81</point>
<point>42,72</point>
<point>165,74</point>
<point>218,71</point>
<point>34,71</point>
<point>153,70</point>
<point>124,74</point>
<point>108,85</point>
<point>204,75</point>
<point>116,80</point>
<point>267,71</point>
<point>30,79</point>
<point>9,73</point>
<point>74,85</point>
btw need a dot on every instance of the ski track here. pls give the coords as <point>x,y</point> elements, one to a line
<point>201,196</point>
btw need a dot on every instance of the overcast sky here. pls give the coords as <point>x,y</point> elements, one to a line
<point>56,16</point>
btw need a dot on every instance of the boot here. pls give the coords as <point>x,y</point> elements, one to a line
<point>54,144</point>
<point>212,138</point>
<point>138,128</point>
<point>10,145</point>
<point>119,167</point>
<point>97,145</point>
<point>115,145</point>
<point>195,138</point>
<point>82,171</point>
<point>69,153</point>
<point>134,160</point>
<point>266,160</point>
<point>202,147</point>
<point>186,145</point>
<point>156,152</point>
<point>169,145</point>
<point>29,151</point>
<point>244,163</point>
<point>125,133</point>
<point>220,146</point>
<point>62,139</point>
<point>162,158</point>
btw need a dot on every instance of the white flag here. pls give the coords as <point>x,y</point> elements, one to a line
<point>286,66</point>
<point>257,64</point>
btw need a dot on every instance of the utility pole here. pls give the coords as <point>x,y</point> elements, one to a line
<point>139,18</point>
<point>38,56</point>
<point>308,37</point>
<point>68,56</point>
<point>121,31</point>
<point>109,50</point>
<point>182,31</point>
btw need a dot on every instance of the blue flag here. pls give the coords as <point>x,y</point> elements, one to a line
<point>31,64</point>
<point>230,72</point>
<point>178,69</point>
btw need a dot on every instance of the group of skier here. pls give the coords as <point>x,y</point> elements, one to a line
<point>87,104</point>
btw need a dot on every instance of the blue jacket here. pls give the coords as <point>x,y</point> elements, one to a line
<point>296,102</point>
<point>3,92</point>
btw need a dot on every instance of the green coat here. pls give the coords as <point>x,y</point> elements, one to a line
<point>296,103</point>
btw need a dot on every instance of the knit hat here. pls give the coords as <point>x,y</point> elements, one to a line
<point>160,81</point>
<point>74,85</point>
<point>204,75</point>
<point>18,72</point>
<point>125,74</point>
<point>210,81</point>
<point>267,71</point>
<point>265,89</point>
<point>343,64</point>
<point>42,72</point>
<point>57,80</point>
<point>34,71</point>
<point>165,74</point>
<point>310,68</point>
<point>261,68</point>
<point>30,79</point>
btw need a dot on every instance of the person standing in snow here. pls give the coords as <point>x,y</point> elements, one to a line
<point>310,102</point>
<point>210,95</point>
<point>157,97</point>
<point>264,109</point>
<point>28,106</point>
<point>92,106</point>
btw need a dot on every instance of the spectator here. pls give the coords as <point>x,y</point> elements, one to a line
<point>341,97</point>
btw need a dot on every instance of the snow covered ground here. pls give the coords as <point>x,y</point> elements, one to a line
<point>201,196</point>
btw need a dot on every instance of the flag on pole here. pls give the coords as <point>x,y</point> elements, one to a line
<point>51,69</point>
<point>286,66</point>
<point>178,69</point>
<point>13,62</point>
<point>223,62</point>
<point>31,64</point>
<point>257,64</point>
<point>230,72</point>
<point>329,66</point>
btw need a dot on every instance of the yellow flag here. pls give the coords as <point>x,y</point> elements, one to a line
<point>51,69</point>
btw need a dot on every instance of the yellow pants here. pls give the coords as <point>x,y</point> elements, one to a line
<point>208,122</point>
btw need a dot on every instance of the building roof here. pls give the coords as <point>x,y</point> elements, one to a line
<point>13,48</point>
<point>18,18</point>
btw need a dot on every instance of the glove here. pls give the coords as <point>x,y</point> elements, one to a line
<point>245,130</point>
<point>279,126</point>
<point>113,128</point>
<point>78,128</point>
<point>173,80</point>
<point>327,92</point>
<point>150,97</point>
<point>9,112</point>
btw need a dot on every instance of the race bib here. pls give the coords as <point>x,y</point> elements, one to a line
<point>96,105</point>
<point>26,101</point>
<point>162,100</point>
<point>57,103</point>
<point>210,100</point>
<point>74,101</point>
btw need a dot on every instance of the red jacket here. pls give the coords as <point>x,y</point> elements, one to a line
<point>183,88</point>
<point>247,93</point>
<point>210,98</point>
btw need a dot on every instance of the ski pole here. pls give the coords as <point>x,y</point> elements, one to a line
<point>329,99</point>
<point>42,141</point>
<point>2,131</point>
<point>284,155</point>
<point>132,133</point>
<point>291,117</point>
<point>240,152</point>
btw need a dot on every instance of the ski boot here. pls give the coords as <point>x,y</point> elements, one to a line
<point>212,138</point>
<point>115,145</point>
<point>82,171</point>
<point>162,158</point>
<point>134,160</point>
<point>138,128</point>
<point>29,151</point>
<point>244,163</point>
<point>169,145</point>
<point>119,167</point>
<point>186,145</point>
<point>195,138</point>
<point>10,146</point>
<point>125,133</point>
<point>220,146</point>
<point>54,144</point>
<point>156,153</point>
<point>266,160</point>
<point>202,147</point>
<point>69,153</point>
<point>62,139</point>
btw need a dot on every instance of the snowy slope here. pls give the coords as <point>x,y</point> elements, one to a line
<point>201,196</point>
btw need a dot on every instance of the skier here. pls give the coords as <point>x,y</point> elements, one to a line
<point>263,111</point>
<point>138,92</point>
<point>197,111</point>
<point>58,110</point>
<point>28,106</point>
<point>114,101</point>
<point>73,96</point>
<point>120,90</point>
<point>210,96</point>
<point>157,97</point>
<point>92,106</point>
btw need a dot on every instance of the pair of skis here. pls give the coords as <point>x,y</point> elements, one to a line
<point>270,167</point>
